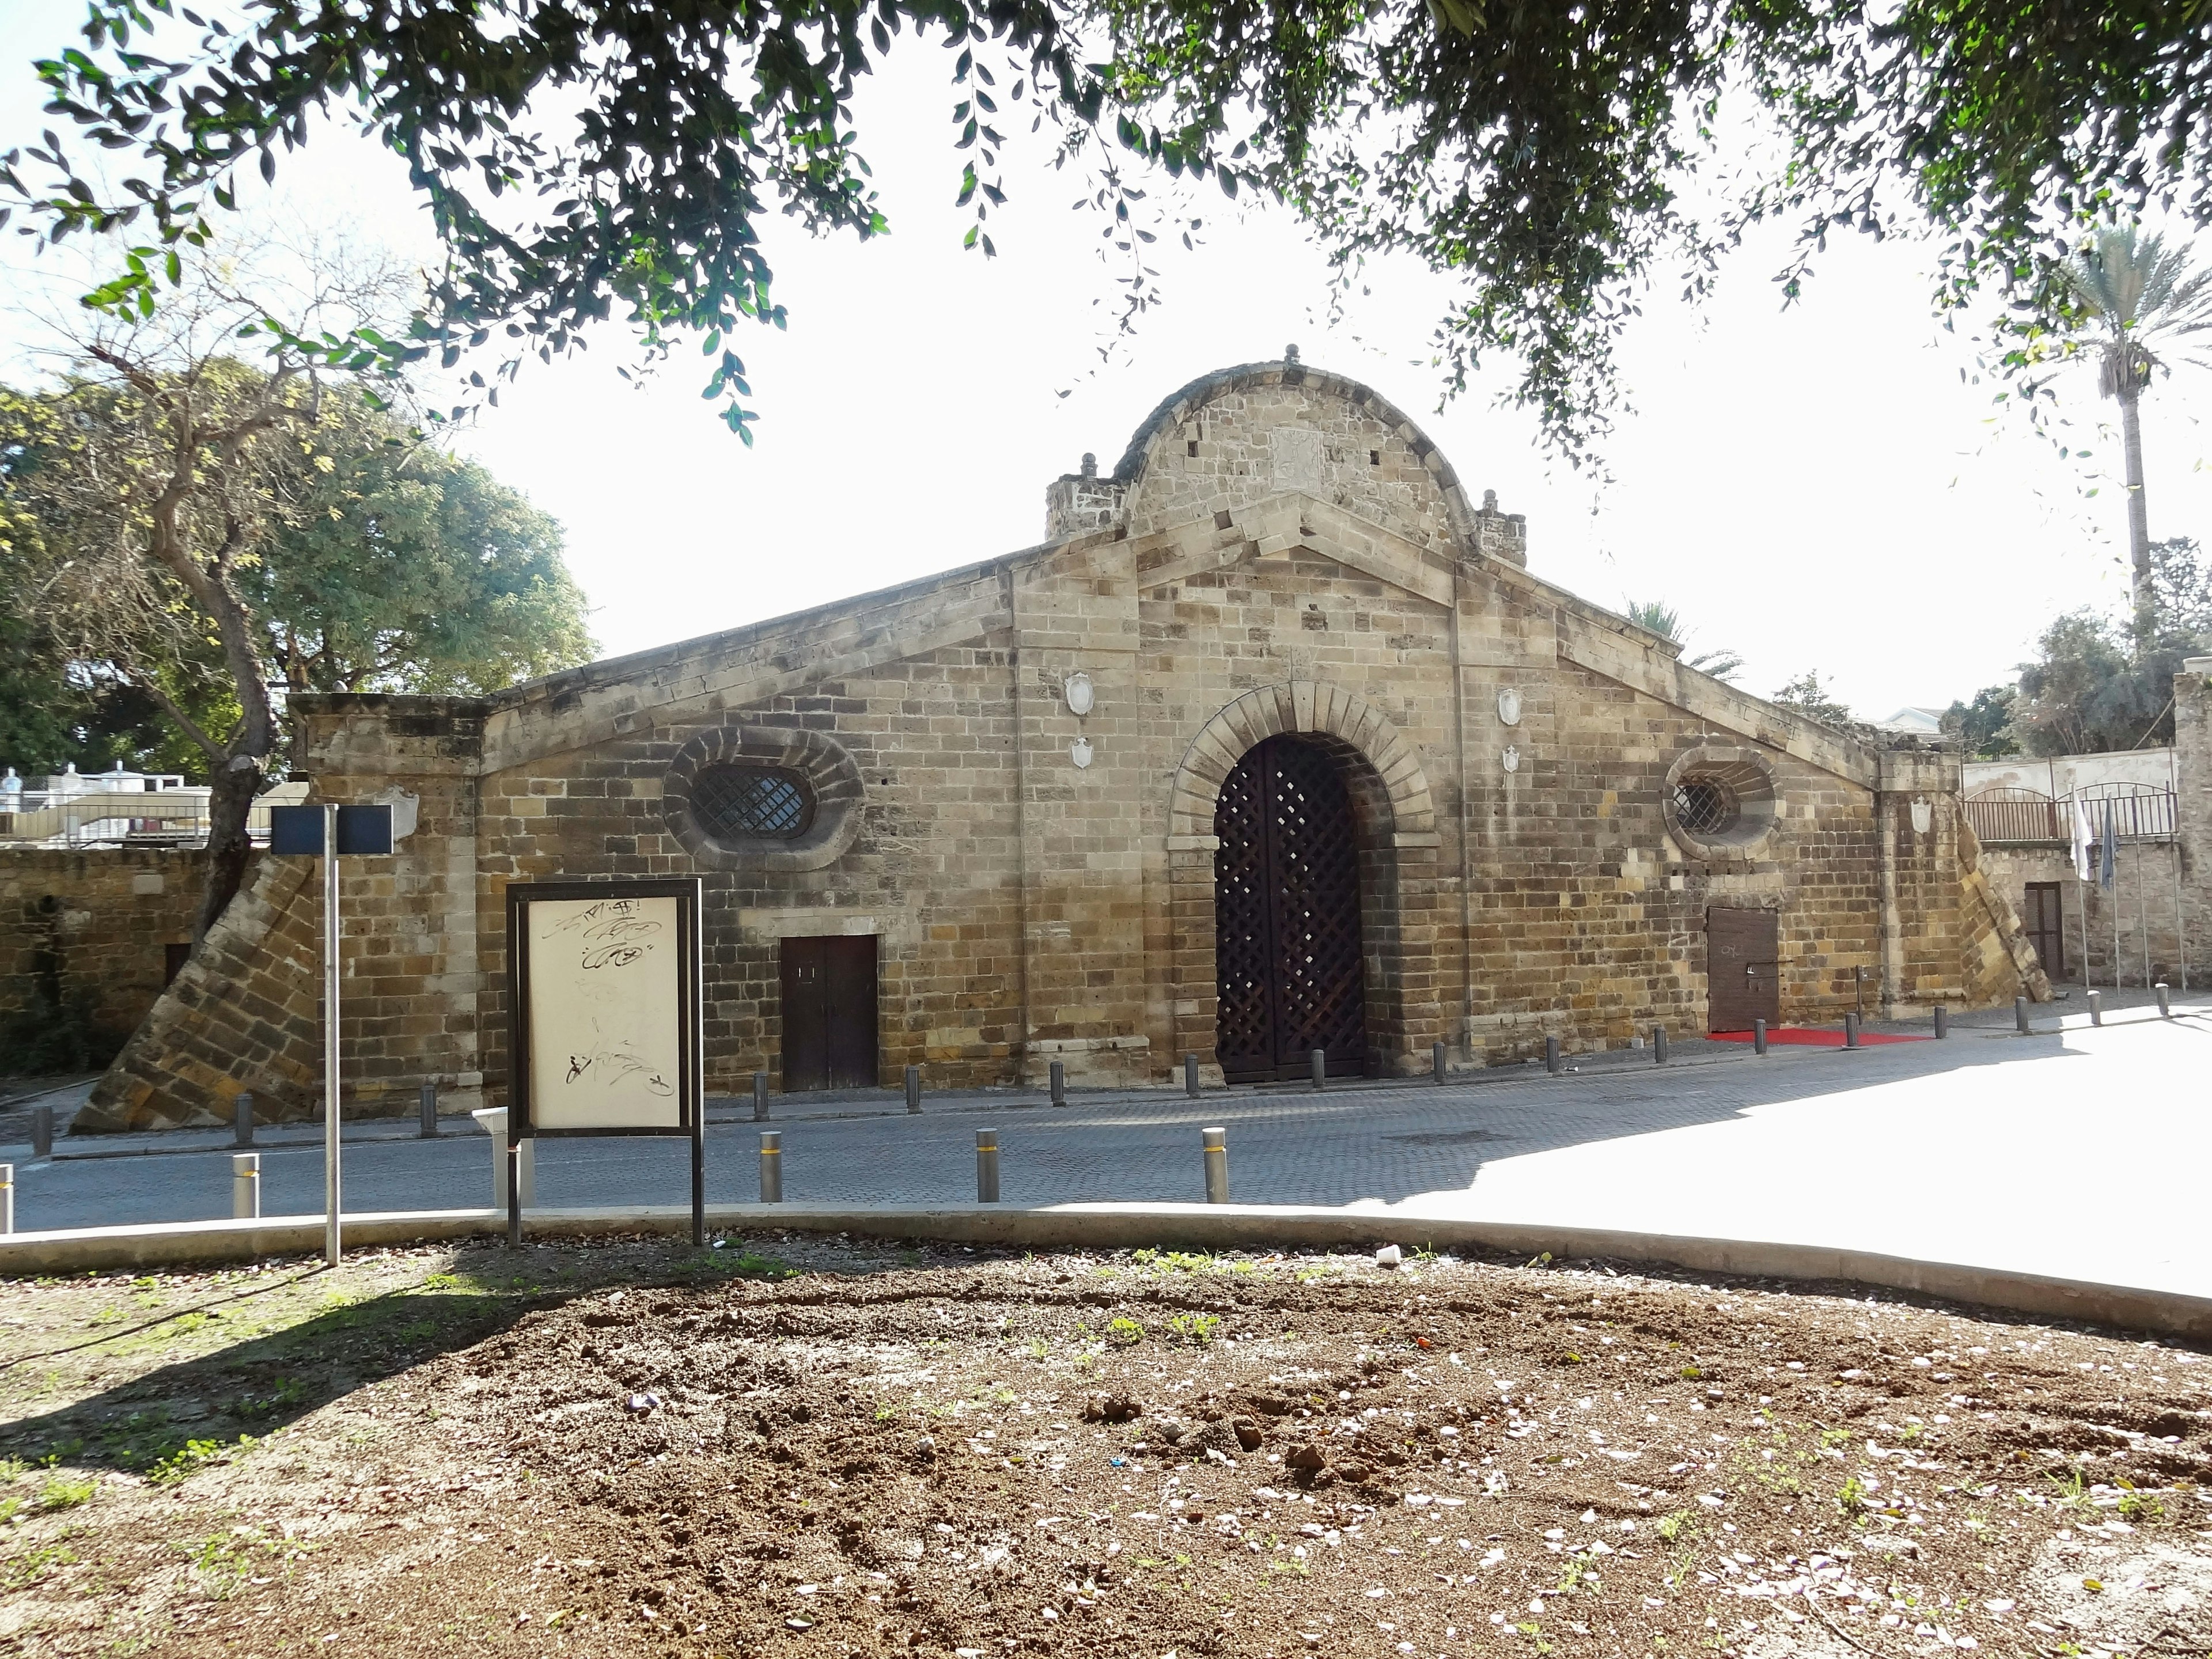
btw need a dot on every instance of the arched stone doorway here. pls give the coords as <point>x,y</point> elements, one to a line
<point>1395,840</point>
<point>1288,955</point>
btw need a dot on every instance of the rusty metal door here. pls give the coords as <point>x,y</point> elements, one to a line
<point>1742,968</point>
<point>829,1012</point>
<point>2046,927</point>
<point>1287,956</point>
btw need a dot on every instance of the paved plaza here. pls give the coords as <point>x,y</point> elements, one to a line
<point>2030,1153</point>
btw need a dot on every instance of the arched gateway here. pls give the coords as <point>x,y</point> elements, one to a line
<point>1287,950</point>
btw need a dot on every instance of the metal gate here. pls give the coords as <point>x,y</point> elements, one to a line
<point>1287,917</point>
<point>829,1012</point>
<point>1742,968</point>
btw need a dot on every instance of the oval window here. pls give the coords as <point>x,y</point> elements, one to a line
<point>752,803</point>
<point>1704,806</point>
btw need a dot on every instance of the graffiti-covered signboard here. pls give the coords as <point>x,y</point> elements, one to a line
<point>603,982</point>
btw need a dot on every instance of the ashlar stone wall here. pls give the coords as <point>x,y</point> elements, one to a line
<point>1280,551</point>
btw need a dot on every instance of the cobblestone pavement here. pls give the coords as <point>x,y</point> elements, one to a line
<point>2035,1153</point>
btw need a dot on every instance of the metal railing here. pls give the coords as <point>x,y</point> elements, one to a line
<point>2137,812</point>
<point>1997,815</point>
<point>171,818</point>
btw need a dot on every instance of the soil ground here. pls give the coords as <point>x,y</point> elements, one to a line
<point>803,1448</point>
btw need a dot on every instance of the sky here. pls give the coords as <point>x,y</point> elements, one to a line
<point>1820,488</point>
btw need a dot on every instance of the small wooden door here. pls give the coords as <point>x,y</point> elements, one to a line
<point>2046,927</point>
<point>1743,980</point>
<point>829,1012</point>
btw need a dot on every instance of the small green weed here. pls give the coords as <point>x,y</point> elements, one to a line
<point>176,1465</point>
<point>60,1494</point>
<point>1683,1524</point>
<point>289,1391</point>
<point>1124,1332</point>
<point>1851,1498</point>
<point>2141,1507</point>
<point>21,1570</point>
<point>1197,1330</point>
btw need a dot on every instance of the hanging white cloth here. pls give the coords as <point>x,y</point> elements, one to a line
<point>2083,835</point>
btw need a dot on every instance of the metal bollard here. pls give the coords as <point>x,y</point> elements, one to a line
<point>2165,1005</point>
<point>1318,1058</point>
<point>1190,1075</point>
<point>1437,1061</point>
<point>914,1088</point>
<point>2019,1014</point>
<point>42,1132</point>
<point>2096,1008</point>
<point>493,1120</point>
<point>7,1198</point>
<point>1060,1082</point>
<point>760,1097</point>
<point>986,1166</point>
<point>1942,1023</point>
<point>1216,1142</point>
<point>429,1105</point>
<point>246,1186</point>
<point>1850,1031</point>
<point>1658,1045</point>
<point>772,1165</point>
<point>241,1120</point>
<point>1759,1037</point>
<point>1552,1055</point>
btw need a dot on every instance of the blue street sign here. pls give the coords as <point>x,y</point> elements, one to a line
<point>297,831</point>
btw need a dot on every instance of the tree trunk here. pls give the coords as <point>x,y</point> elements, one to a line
<point>237,774</point>
<point>229,846</point>
<point>2138,512</point>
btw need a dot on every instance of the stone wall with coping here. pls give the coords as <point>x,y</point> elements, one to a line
<point>245,1015</point>
<point>93,928</point>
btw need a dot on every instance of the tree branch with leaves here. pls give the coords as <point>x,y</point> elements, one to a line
<point>592,158</point>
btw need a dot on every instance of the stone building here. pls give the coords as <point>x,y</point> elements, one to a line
<point>2154,922</point>
<point>1274,742</point>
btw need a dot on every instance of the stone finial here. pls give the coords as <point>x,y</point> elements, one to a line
<point>1090,464</point>
<point>1489,501</point>
<point>1289,354</point>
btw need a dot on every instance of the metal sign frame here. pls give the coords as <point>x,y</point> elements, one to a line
<point>329,831</point>
<point>692,1106</point>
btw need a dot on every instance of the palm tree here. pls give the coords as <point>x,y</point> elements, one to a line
<point>2143,297</point>
<point>1664,620</point>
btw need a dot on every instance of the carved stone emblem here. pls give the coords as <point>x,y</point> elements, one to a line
<point>1509,707</point>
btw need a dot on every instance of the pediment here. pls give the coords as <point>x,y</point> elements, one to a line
<point>1288,523</point>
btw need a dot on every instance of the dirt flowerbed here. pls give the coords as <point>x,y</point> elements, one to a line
<point>837,1448</point>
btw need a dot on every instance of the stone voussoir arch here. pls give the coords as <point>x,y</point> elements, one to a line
<point>1294,706</point>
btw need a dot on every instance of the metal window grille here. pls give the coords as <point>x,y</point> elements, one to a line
<point>1702,806</point>
<point>749,802</point>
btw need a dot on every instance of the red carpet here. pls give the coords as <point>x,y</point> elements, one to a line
<point>1812,1036</point>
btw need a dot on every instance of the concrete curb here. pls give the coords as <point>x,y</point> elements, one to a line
<point>1125,1226</point>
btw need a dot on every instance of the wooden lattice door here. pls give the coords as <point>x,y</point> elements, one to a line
<point>1287,917</point>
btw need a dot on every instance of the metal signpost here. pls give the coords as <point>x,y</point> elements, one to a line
<point>604,1005</point>
<point>327,832</point>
